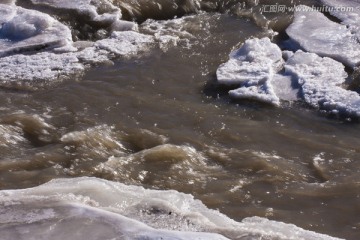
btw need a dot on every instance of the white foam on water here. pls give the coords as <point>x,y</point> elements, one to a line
<point>11,136</point>
<point>125,43</point>
<point>252,67</point>
<point>320,80</point>
<point>314,32</point>
<point>91,208</point>
<point>165,164</point>
<point>97,141</point>
<point>169,32</point>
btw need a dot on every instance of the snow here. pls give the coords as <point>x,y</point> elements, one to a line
<point>91,208</point>
<point>314,32</point>
<point>252,68</point>
<point>320,80</point>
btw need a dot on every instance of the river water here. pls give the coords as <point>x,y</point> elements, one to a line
<point>159,120</point>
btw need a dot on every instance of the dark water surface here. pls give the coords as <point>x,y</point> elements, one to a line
<point>160,121</point>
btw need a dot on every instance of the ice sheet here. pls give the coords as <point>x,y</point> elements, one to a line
<point>314,32</point>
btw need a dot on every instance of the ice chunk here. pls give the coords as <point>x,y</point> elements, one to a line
<point>348,11</point>
<point>252,67</point>
<point>316,33</point>
<point>320,80</point>
<point>24,30</point>
<point>91,208</point>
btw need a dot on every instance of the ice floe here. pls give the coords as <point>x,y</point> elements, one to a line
<point>314,32</point>
<point>253,68</point>
<point>317,80</point>
<point>320,80</point>
<point>24,30</point>
<point>91,208</point>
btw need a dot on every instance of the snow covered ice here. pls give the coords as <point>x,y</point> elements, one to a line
<point>25,30</point>
<point>252,67</point>
<point>320,80</point>
<point>317,80</point>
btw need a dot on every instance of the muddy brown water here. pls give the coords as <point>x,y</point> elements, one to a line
<point>158,120</point>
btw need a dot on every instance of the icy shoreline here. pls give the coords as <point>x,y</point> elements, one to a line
<point>98,208</point>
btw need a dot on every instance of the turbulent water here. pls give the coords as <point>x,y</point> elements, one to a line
<point>156,117</point>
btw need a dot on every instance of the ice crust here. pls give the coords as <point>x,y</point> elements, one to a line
<point>253,68</point>
<point>91,208</point>
<point>321,80</point>
<point>314,32</point>
<point>24,30</point>
<point>45,68</point>
<point>28,71</point>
